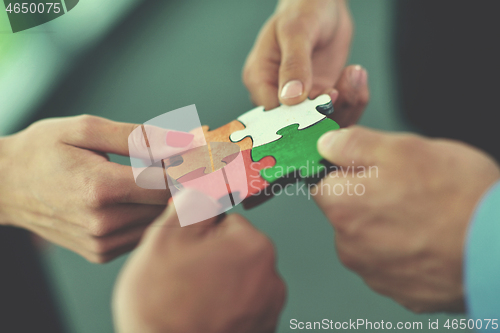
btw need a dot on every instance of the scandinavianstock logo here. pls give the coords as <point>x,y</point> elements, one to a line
<point>25,14</point>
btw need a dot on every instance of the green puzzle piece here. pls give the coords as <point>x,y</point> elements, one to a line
<point>295,151</point>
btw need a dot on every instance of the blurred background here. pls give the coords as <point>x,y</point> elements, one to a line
<point>132,60</point>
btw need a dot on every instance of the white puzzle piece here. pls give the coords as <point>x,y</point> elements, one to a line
<point>262,125</point>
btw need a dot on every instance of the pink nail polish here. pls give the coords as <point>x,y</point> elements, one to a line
<point>292,89</point>
<point>178,139</point>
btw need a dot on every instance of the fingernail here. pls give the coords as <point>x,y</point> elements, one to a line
<point>327,141</point>
<point>292,89</point>
<point>334,94</point>
<point>364,78</point>
<point>358,76</point>
<point>178,139</point>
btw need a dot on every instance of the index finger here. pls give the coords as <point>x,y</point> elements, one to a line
<point>260,74</point>
<point>107,136</point>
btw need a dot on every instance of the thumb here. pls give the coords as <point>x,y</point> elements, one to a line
<point>295,73</point>
<point>351,146</point>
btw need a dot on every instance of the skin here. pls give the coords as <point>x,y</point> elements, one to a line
<point>216,276</point>
<point>304,40</point>
<point>57,181</point>
<point>405,235</point>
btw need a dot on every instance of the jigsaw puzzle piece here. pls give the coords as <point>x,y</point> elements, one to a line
<point>253,185</point>
<point>220,151</point>
<point>263,126</point>
<point>227,185</point>
<point>212,184</point>
<point>295,152</point>
<point>222,134</point>
<point>189,161</point>
<point>208,158</point>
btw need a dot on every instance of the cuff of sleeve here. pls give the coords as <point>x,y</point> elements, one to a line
<point>482,258</point>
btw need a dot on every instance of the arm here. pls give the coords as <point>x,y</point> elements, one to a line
<point>217,276</point>
<point>56,180</point>
<point>404,232</point>
<point>300,52</point>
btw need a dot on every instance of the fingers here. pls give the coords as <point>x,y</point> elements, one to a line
<point>353,95</point>
<point>95,249</point>
<point>195,205</point>
<point>295,72</point>
<point>155,143</point>
<point>114,183</point>
<point>141,141</point>
<point>265,94</point>
<point>261,68</point>
<point>116,219</point>
<point>354,146</point>
<point>100,134</point>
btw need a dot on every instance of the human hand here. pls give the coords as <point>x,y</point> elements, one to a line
<point>300,52</point>
<point>405,235</point>
<point>216,276</point>
<point>56,180</point>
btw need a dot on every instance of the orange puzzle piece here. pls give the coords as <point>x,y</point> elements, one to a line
<point>222,134</point>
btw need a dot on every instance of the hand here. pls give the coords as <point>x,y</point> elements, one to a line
<point>403,229</point>
<point>300,52</point>
<point>56,180</point>
<point>217,276</point>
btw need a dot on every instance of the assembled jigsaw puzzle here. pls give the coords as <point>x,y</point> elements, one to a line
<point>275,146</point>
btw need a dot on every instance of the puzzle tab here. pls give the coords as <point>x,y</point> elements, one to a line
<point>262,126</point>
<point>246,156</point>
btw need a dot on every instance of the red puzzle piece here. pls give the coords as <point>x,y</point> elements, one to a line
<point>254,184</point>
<point>220,183</point>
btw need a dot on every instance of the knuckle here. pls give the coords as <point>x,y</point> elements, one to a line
<point>282,290</point>
<point>377,286</point>
<point>252,242</point>
<point>98,193</point>
<point>248,77</point>
<point>340,221</point>
<point>99,246</point>
<point>85,125</point>
<point>412,305</point>
<point>264,248</point>
<point>418,309</point>
<point>347,259</point>
<point>98,227</point>
<point>259,245</point>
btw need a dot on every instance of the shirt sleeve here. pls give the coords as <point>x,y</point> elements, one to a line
<point>482,262</point>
